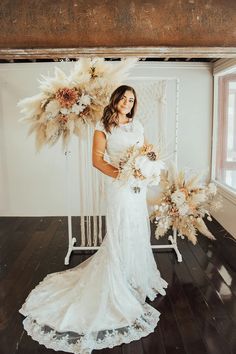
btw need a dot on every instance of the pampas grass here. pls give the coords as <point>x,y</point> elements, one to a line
<point>183,204</point>
<point>68,103</point>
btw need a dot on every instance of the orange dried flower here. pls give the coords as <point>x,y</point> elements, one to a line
<point>145,149</point>
<point>138,174</point>
<point>63,119</point>
<point>85,112</point>
<point>185,191</point>
<point>67,96</point>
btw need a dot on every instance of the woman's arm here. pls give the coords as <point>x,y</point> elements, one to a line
<point>98,151</point>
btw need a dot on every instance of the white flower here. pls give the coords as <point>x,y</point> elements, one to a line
<point>163,208</point>
<point>139,161</point>
<point>178,198</point>
<point>64,110</point>
<point>155,181</point>
<point>158,165</point>
<point>147,167</point>
<point>53,108</point>
<point>85,100</point>
<point>77,108</point>
<point>183,209</point>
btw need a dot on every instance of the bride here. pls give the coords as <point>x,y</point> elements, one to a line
<point>101,302</point>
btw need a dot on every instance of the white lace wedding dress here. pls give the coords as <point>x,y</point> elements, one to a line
<point>101,302</point>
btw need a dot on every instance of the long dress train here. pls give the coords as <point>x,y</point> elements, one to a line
<point>101,302</point>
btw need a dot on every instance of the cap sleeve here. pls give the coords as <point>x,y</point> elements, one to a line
<point>99,126</point>
<point>140,125</point>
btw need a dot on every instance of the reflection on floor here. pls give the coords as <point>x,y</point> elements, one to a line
<point>198,314</point>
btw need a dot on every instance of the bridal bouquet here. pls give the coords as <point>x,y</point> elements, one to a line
<point>140,166</point>
<point>182,205</point>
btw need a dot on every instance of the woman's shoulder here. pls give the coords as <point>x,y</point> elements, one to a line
<point>100,126</point>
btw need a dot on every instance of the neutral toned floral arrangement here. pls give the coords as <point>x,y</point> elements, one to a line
<point>140,165</point>
<point>182,205</point>
<point>67,104</point>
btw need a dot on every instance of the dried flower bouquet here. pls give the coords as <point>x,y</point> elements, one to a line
<point>183,204</point>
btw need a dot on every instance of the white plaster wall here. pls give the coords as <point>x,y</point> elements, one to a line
<point>35,184</point>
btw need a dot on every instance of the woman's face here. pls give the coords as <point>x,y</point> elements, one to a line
<point>126,103</point>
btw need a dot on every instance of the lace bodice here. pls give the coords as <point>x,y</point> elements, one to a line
<point>121,138</point>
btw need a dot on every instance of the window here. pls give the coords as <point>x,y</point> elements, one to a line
<point>225,159</point>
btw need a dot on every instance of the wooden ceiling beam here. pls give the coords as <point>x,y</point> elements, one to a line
<point>106,24</point>
<point>118,52</point>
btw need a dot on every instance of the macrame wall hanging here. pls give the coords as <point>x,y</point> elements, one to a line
<point>152,113</point>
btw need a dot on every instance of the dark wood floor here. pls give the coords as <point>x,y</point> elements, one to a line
<point>198,314</point>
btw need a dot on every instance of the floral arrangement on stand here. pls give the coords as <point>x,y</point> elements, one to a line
<point>67,104</point>
<point>140,166</point>
<point>182,205</point>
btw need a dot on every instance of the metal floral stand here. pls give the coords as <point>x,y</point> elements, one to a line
<point>173,245</point>
<point>173,238</point>
<point>71,239</point>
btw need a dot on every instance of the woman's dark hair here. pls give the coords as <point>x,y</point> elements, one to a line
<point>110,114</point>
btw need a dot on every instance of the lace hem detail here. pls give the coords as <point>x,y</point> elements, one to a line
<point>156,287</point>
<point>84,343</point>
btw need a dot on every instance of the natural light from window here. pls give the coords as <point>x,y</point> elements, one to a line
<point>226,140</point>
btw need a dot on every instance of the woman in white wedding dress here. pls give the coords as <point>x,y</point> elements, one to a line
<point>101,302</point>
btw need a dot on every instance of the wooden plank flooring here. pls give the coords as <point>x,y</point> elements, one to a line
<point>198,314</point>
